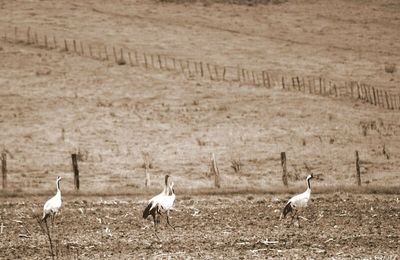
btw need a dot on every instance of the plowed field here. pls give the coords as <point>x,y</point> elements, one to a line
<point>337,226</point>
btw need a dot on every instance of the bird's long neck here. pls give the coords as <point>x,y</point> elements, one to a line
<point>170,191</point>
<point>166,188</point>
<point>308,184</point>
<point>58,187</point>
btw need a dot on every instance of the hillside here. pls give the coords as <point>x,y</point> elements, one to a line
<point>55,103</point>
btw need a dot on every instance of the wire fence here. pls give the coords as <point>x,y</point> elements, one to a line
<point>198,69</point>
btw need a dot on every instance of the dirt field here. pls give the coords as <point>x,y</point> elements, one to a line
<point>340,226</point>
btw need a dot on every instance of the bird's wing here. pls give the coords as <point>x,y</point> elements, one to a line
<point>300,199</point>
<point>48,204</point>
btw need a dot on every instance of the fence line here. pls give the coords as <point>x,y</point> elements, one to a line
<point>198,69</point>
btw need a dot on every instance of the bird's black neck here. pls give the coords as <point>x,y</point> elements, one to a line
<point>166,180</point>
<point>58,184</point>
<point>308,183</point>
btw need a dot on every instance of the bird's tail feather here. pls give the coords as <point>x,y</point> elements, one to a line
<point>45,216</point>
<point>149,210</point>
<point>286,210</point>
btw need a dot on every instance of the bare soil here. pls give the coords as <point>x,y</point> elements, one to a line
<point>339,226</point>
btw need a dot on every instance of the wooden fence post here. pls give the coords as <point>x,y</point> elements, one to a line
<point>55,42</point>
<point>284,169</point>
<point>387,100</point>
<point>320,86</point>
<point>28,35</point>
<point>115,55</point>
<point>201,69</point>
<point>351,88</point>
<point>398,98</point>
<point>358,169</point>
<point>378,97</point>
<point>159,61</point>
<point>298,83</point>
<point>74,45</point>
<point>188,67</point>
<point>254,78</point>
<point>182,67</point>
<point>336,92</point>
<point>216,72</point>
<point>152,60</point>
<point>121,61</point>
<point>214,169</point>
<point>65,45</point>
<point>174,63</point>
<point>268,80</point>
<point>76,170</point>
<point>145,60</point>
<point>373,92</point>
<point>4,168</point>
<point>105,51</point>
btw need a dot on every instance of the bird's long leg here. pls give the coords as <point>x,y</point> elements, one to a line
<point>47,226</point>
<point>52,219</point>
<point>168,220</point>
<point>293,216</point>
<point>155,224</point>
<point>298,221</point>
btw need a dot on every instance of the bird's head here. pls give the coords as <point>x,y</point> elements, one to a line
<point>59,178</point>
<point>171,187</point>
<point>309,177</point>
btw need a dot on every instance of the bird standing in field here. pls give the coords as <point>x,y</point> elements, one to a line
<point>53,205</point>
<point>161,203</point>
<point>297,202</point>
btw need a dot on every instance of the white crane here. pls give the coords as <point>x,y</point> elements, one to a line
<point>298,201</point>
<point>163,202</point>
<point>53,205</point>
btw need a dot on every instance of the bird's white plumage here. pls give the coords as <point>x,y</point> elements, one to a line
<point>53,205</point>
<point>298,201</point>
<point>165,199</point>
<point>161,203</point>
<point>301,200</point>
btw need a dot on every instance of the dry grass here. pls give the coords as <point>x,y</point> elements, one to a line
<point>235,2</point>
<point>390,68</point>
<point>111,113</point>
<point>225,191</point>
